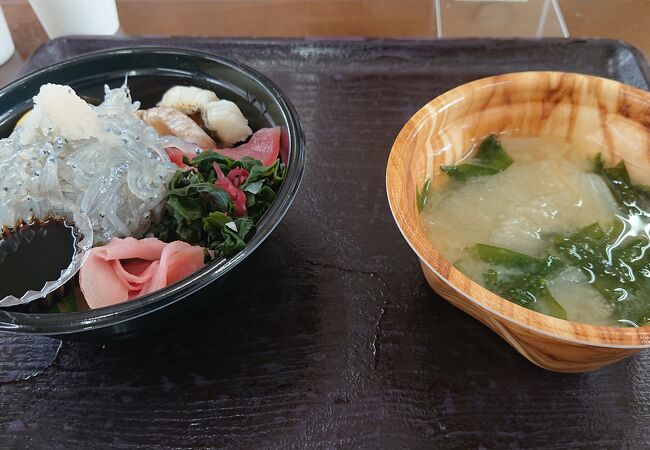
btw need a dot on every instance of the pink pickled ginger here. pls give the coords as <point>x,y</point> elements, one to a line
<point>128,268</point>
<point>226,183</point>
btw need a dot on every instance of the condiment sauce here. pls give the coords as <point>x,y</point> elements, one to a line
<point>34,253</point>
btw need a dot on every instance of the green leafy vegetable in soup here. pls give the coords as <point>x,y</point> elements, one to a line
<point>549,229</point>
<point>528,286</point>
<point>489,159</point>
<point>421,197</point>
<point>619,272</point>
<point>633,199</point>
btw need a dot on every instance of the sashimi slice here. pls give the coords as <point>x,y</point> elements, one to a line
<point>176,156</point>
<point>264,145</point>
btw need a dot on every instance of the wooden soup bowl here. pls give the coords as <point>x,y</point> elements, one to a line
<point>607,116</point>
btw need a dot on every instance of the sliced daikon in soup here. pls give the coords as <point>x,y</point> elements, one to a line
<point>581,301</point>
<point>548,226</point>
<point>515,207</point>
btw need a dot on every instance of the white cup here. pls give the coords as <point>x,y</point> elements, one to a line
<point>6,43</point>
<point>66,17</point>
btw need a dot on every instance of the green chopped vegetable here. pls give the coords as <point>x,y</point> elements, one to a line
<point>508,258</point>
<point>255,187</point>
<point>490,159</point>
<point>632,198</point>
<point>529,291</point>
<point>491,154</point>
<point>199,212</point>
<point>272,174</point>
<point>421,197</point>
<point>229,233</point>
<point>257,204</point>
<point>526,279</point>
<point>215,222</point>
<point>203,162</point>
<point>619,273</point>
<point>464,172</point>
<point>233,240</point>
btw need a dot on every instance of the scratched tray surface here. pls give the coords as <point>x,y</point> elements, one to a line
<point>334,339</point>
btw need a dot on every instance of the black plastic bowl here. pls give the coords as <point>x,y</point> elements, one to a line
<point>150,71</point>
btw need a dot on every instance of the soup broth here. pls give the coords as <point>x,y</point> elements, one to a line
<point>548,226</point>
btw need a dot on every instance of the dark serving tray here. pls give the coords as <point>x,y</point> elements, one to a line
<point>334,339</point>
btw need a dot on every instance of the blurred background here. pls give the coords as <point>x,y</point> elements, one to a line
<point>618,19</point>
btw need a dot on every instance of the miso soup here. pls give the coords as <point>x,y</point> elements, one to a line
<point>548,226</point>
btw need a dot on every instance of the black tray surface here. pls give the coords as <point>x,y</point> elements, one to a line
<point>334,339</point>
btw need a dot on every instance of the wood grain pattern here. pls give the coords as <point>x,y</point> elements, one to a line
<point>546,351</point>
<point>615,120</point>
<point>622,19</point>
<point>338,342</point>
<point>284,18</point>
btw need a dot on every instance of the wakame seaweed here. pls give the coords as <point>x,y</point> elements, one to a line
<point>421,197</point>
<point>509,258</point>
<point>199,212</point>
<point>615,259</point>
<point>632,198</point>
<point>525,280</point>
<point>619,273</point>
<point>490,159</point>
